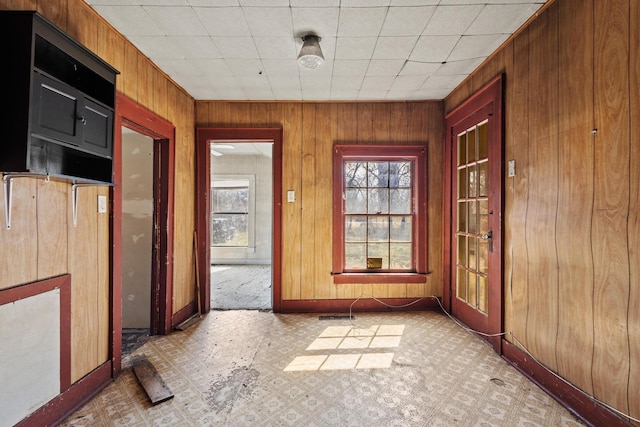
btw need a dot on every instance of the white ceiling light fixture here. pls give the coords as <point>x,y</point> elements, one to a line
<point>310,56</point>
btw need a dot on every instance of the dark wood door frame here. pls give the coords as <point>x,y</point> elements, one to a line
<point>489,98</point>
<point>133,116</point>
<point>203,206</point>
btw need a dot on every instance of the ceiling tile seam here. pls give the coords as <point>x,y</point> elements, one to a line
<point>374,48</point>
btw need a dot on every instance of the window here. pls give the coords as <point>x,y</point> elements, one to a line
<point>379,214</point>
<point>231,211</point>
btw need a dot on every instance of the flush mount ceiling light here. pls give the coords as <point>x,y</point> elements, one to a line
<point>310,56</point>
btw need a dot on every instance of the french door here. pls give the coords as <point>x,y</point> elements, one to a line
<point>475,203</point>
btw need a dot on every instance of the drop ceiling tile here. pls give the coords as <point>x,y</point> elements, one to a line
<point>433,48</point>
<point>406,21</point>
<point>355,47</point>
<point>350,67</point>
<point>245,67</point>
<point>178,67</point>
<point>414,2</point>
<point>176,21</point>
<point>364,3</point>
<point>314,82</point>
<point>385,67</point>
<point>255,81</point>
<point>276,47</point>
<point>216,67</point>
<point>439,82</point>
<point>361,22</point>
<point>377,83</point>
<point>314,94</point>
<point>314,3</point>
<point>197,47</point>
<point>278,67</point>
<point>223,21</point>
<point>157,47</point>
<point>344,94</point>
<point>452,20</point>
<point>236,47</point>
<point>394,47</point>
<point>459,67</point>
<point>407,83</point>
<point>212,3</point>
<point>139,2</point>
<point>412,68</point>
<point>502,18</point>
<point>269,21</point>
<point>284,83</point>
<point>322,21</point>
<point>264,3</point>
<point>288,95</point>
<point>538,2</point>
<point>130,20</point>
<point>371,95</point>
<point>350,82</point>
<point>470,47</point>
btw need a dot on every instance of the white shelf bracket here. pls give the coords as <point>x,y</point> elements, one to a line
<point>74,197</point>
<point>7,180</point>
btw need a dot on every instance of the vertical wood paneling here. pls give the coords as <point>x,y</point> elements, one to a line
<point>543,188</point>
<point>307,201</point>
<point>52,207</point>
<point>611,202</point>
<point>130,72</point>
<point>102,284</point>
<point>145,82</point>
<point>346,131</point>
<point>291,222</point>
<point>83,267</point>
<point>54,10</point>
<point>18,4</point>
<point>634,213</point>
<point>573,233</point>
<point>324,287</point>
<point>20,263</point>
<point>435,141</point>
<point>310,131</point>
<point>517,190</point>
<point>590,326</point>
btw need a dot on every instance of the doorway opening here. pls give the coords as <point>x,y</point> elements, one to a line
<point>137,237</point>
<point>234,186</point>
<point>241,224</point>
<point>143,152</point>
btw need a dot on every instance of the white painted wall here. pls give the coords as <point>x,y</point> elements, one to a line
<point>29,355</point>
<point>137,229</point>
<point>261,167</point>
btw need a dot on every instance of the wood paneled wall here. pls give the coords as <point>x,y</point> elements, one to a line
<point>310,130</point>
<point>572,265</point>
<point>42,241</point>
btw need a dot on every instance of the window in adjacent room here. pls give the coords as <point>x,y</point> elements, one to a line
<point>379,214</point>
<point>232,210</point>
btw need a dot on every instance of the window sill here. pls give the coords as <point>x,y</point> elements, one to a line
<point>379,278</point>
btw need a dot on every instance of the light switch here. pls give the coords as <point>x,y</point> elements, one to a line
<point>512,168</point>
<point>102,203</point>
<point>291,196</point>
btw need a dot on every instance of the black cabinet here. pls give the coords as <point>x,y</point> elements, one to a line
<point>58,99</point>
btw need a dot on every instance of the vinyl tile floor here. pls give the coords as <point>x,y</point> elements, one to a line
<point>256,368</point>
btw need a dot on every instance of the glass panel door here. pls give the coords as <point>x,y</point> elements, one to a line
<point>472,225</point>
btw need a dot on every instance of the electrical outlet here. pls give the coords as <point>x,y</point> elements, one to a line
<point>102,203</point>
<point>291,196</point>
<point>512,168</point>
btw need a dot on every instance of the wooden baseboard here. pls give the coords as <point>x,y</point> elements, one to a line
<point>576,401</point>
<point>79,393</point>
<point>364,304</point>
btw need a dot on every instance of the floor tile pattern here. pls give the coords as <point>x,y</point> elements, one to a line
<point>229,369</point>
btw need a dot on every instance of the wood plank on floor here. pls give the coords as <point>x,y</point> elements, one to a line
<point>151,380</point>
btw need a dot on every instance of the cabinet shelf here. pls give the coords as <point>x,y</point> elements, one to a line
<point>60,101</point>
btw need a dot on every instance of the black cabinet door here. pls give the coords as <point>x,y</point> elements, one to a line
<point>97,128</point>
<point>54,108</point>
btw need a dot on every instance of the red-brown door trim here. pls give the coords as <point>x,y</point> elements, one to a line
<point>203,207</point>
<point>133,116</point>
<point>487,98</point>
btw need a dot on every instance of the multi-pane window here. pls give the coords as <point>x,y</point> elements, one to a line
<point>230,211</point>
<point>378,215</point>
<point>379,210</point>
